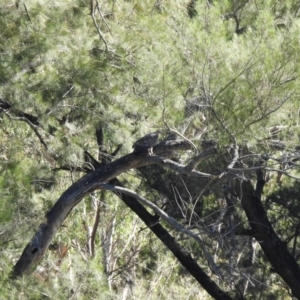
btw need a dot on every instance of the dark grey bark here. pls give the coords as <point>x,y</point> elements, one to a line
<point>35,250</point>
<point>274,248</point>
<point>178,251</point>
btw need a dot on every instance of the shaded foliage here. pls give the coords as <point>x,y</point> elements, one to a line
<point>81,81</point>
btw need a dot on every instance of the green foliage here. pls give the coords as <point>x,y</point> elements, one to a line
<point>238,60</point>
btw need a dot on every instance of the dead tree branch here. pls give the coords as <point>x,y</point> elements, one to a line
<point>171,221</point>
<point>35,250</point>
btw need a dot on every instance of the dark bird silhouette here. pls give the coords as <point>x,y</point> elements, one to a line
<point>146,143</point>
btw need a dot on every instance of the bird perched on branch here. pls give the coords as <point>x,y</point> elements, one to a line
<point>146,143</point>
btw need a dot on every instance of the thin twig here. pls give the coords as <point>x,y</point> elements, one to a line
<point>27,13</point>
<point>33,127</point>
<point>96,25</point>
<point>171,221</point>
<point>182,169</point>
<point>100,13</point>
<point>203,155</point>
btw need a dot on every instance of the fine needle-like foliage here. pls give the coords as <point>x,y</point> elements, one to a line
<point>210,210</point>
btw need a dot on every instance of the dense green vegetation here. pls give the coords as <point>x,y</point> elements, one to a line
<point>81,81</point>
